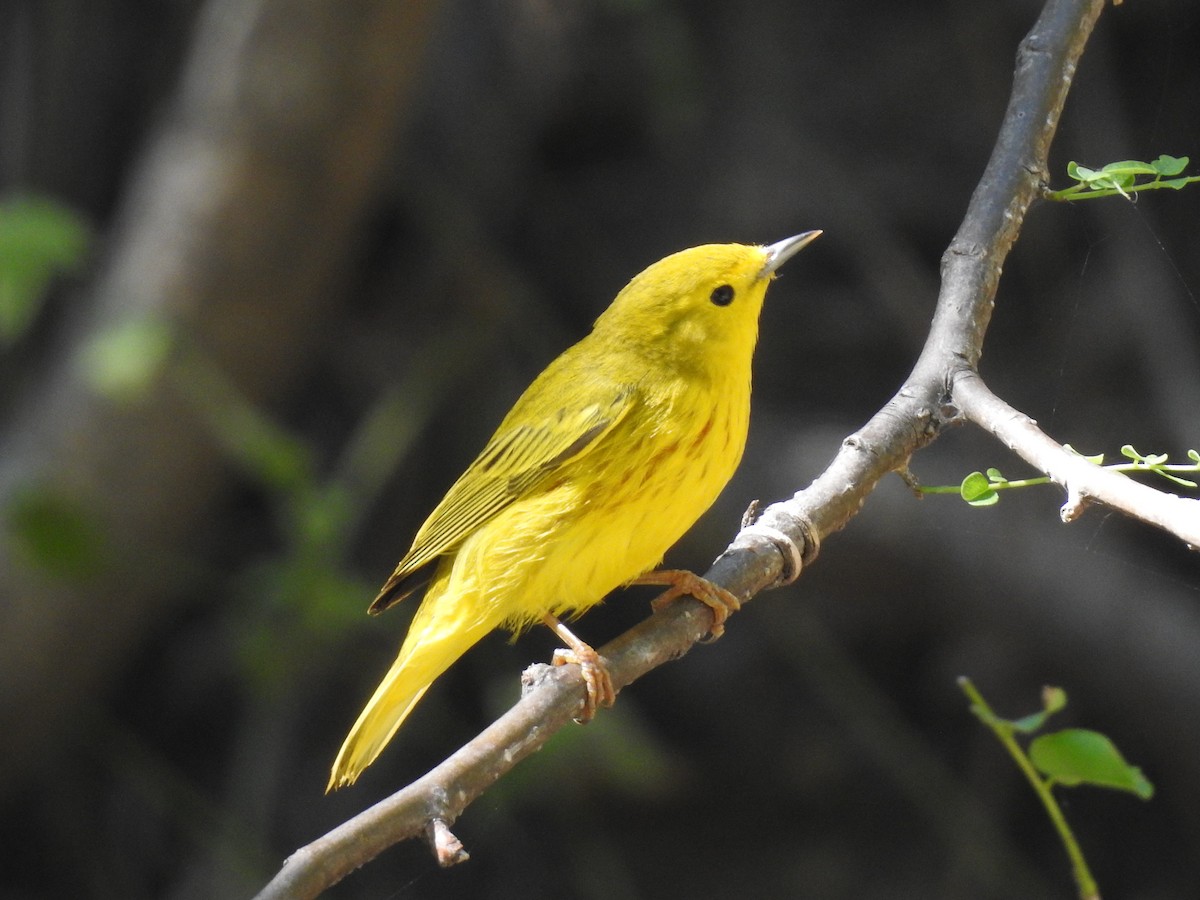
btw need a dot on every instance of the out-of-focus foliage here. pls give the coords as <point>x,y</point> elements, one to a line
<point>39,239</point>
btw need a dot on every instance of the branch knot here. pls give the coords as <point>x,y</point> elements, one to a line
<point>796,553</point>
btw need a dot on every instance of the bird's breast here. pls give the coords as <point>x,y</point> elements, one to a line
<point>612,513</point>
<point>656,475</point>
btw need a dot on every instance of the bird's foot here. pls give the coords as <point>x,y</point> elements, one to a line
<point>682,583</point>
<point>596,679</point>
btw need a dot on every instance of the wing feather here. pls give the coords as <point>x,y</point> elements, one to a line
<point>514,462</point>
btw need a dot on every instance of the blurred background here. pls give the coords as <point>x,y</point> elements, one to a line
<point>270,274</point>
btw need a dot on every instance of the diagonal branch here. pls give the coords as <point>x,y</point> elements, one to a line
<point>770,551</point>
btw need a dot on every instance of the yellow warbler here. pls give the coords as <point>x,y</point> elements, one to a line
<point>603,463</point>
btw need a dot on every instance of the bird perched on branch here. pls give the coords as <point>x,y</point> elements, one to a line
<point>603,463</point>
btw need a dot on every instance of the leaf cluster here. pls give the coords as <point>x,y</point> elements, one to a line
<point>1126,177</point>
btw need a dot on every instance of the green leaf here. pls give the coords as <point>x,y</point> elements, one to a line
<point>1127,169</point>
<point>122,361</point>
<point>1182,482</point>
<point>1030,723</point>
<point>989,499</point>
<point>1054,699</point>
<point>1079,756</point>
<point>1176,184</point>
<point>1194,456</point>
<point>977,490</point>
<point>1097,458</point>
<point>1128,452</point>
<point>39,239</point>
<point>995,477</point>
<point>1170,165</point>
<point>1080,173</point>
<point>55,532</point>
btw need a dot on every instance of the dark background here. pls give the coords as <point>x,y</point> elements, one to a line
<point>401,220</point>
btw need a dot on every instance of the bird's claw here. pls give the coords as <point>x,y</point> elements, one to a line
<point>596,680</point>
<point>683,583</point>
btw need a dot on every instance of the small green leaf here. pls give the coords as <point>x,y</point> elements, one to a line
<point>977,490</point>
<point>1128,452</point>
<point>1194,456</point>
<point>1079,756</point>
<point>995,477</point>
<point>1097,458</point>
<point>1170,165</point>
<point>1176,184</point>
<point>1182,482</point>
<point>1054,699</point>
<point>122,361</point>
<point>39,239</point>
<point>973,485</point>
<point>1128,168</point>
<point>1030,723</point>
<point>1080,173</point>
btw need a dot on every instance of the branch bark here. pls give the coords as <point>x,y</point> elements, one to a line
<point>772,550</point>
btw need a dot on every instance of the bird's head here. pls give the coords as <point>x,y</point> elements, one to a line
<point>700,303</point>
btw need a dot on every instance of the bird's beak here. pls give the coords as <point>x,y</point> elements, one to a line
<point>781,252</point>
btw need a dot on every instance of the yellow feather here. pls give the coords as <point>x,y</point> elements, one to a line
<point>602,464</point>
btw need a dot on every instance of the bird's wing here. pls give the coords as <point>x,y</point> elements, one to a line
<point>514,461</point>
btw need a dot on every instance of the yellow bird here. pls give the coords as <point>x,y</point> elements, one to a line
<point>603,463</point>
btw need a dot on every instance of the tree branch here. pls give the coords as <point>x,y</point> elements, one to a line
<point>1084,481</point>
<point>771,550</point>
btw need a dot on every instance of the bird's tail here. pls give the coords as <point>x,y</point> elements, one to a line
<point>442,631</point>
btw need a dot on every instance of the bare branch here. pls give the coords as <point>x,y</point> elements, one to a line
<point>765,552</point>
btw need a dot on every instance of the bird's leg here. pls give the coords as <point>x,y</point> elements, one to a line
<point>596,679</point>
<point>683,583</point>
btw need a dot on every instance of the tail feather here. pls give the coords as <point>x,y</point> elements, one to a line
<point>435,640</point>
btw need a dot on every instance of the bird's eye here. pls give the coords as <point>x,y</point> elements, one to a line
<point>722,296</point>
